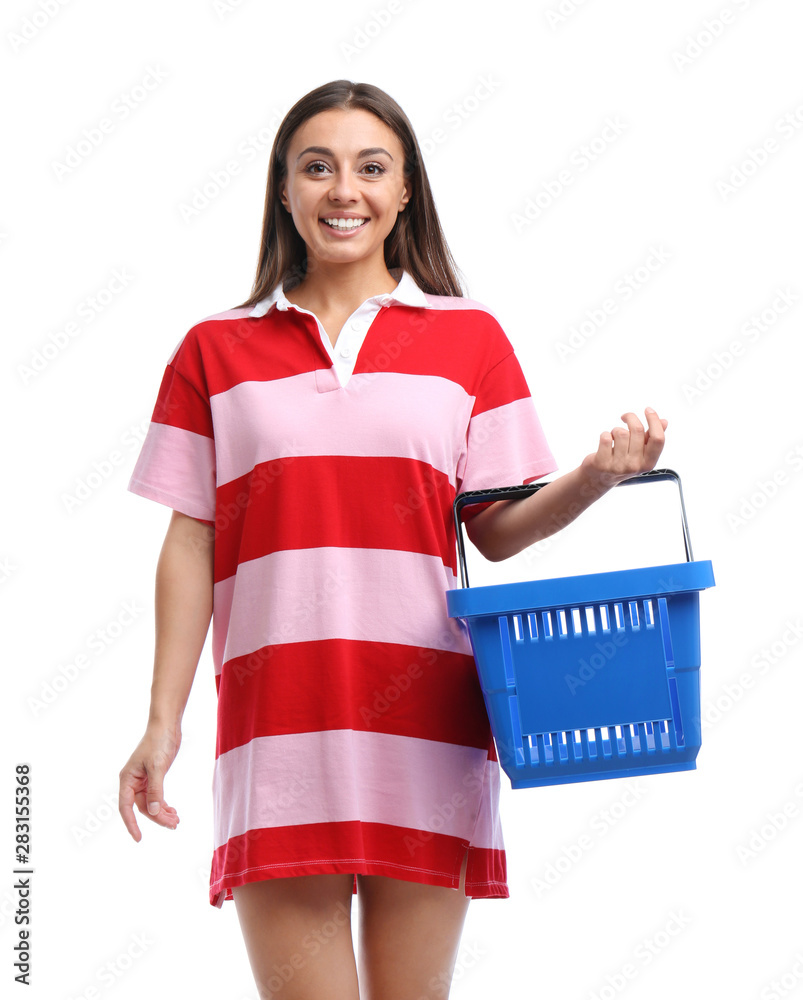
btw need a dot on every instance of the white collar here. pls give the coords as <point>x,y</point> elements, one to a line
<point>406,292</point>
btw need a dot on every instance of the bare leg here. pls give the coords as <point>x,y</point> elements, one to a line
<point>409,937</point>
<point>297,934</point>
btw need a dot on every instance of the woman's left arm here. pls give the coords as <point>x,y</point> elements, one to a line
<point>508,526</point>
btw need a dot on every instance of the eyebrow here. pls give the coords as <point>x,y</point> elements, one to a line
<point>323,151</point>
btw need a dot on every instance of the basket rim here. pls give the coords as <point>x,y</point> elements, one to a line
<point>590,588</point>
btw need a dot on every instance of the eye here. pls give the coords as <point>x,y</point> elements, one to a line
<point>315,163</point>
<point>379,168</point>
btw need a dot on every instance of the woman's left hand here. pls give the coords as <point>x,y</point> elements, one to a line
<point>626,451</point>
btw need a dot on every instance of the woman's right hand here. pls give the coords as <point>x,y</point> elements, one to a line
<point>142,778</point>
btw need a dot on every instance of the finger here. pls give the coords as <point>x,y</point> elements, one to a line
<point>654,443</point>
<point>604,449</point>
<point>151,802</point>
<point>636,429</point>
<point>154,794</point>
<point>621,444</point>
<point>664,425</point>
<point>125,803</point>
<point>167,815</point>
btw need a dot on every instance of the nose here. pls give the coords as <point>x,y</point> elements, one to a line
<point>343,186</point>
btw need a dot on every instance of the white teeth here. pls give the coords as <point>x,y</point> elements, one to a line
<point>344,223</point>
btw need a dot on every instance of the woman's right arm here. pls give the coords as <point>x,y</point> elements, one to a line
<point>183,610</point>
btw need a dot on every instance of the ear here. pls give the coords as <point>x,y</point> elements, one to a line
<point>406,195</point>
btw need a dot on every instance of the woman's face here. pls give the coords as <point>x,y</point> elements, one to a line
<point>347,165</point>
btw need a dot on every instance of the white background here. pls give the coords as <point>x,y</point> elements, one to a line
<point>664,866</point>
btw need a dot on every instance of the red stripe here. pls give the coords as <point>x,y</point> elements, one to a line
<point>179,404</point>
<point>334,500</point>
<point>503,384</point>
<point>457,344</point>
<point>366,686</point>
<point>316,848</point>
<point>486,873</point>
<point>219,354</point>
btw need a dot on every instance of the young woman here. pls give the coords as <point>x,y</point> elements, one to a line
<point>311,442</point>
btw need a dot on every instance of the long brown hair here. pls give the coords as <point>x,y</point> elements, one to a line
<point>416,243</point>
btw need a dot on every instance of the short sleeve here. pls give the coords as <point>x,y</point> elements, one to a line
<point>505,443</point>
<point>176,465</point>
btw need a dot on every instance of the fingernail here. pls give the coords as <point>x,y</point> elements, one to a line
<point>153,808</point>
<point>650,410</point>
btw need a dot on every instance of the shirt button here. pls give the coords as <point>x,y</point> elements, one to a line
<point>356,324</point>
<point>345,352</point>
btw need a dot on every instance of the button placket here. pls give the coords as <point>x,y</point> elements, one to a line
<point>350,339</point>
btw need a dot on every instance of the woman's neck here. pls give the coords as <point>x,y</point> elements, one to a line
<point>340,288</point>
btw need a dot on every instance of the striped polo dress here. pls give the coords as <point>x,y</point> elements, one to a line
<point>352,735</point>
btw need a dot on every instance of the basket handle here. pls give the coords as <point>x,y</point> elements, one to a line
<point>519,492</point>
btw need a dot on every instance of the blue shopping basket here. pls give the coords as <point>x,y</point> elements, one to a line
<point>588,677</point>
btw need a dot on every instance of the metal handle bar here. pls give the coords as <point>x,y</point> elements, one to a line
<point>519,492</point>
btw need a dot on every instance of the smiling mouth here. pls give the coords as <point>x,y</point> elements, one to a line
<point>344,225</point>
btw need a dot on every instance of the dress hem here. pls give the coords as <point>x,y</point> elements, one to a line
<point>221,889</point>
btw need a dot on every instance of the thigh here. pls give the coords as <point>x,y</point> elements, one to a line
<point>297,933</point>
<point>409,937</point>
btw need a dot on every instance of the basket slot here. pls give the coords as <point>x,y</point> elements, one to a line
<point>669,655</point>
<point>634,622</point>
<point>640,738</point>
<point>677,728</point>
<point>507,653</point>
<point>515,728</point>
<point>649,616</point>
<point>672,734</point>
<point>578,621</point>
<point>601,743</point>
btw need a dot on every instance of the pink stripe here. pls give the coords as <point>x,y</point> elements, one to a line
<point>488,831</point>
<point>449,302</point>
<point>227,314</point>
<point>303,595</point>
<point>497,439</point>
<point>375,777</point>
<point>263,421</point>
<point>177,467</point>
